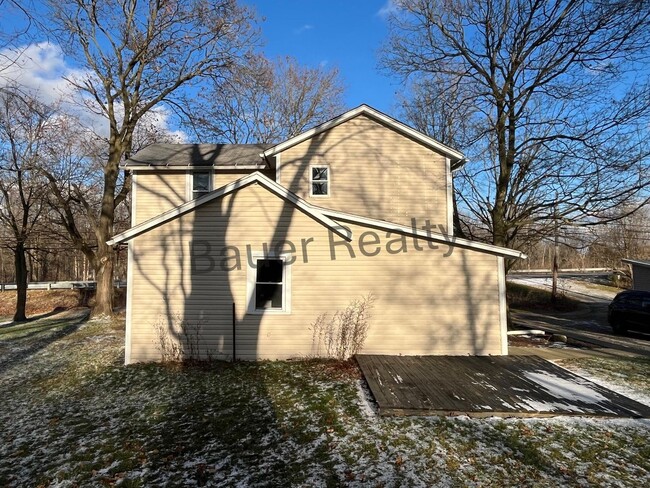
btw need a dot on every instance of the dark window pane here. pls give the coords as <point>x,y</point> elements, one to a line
<point>318,174</point>
<point>201,182</point>
<point>269,271</point>
<point>319,188</point>
<point>268,296</point>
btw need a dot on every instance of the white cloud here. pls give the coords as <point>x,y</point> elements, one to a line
<point>158,120</point>
<point>390,7</point>
<point>39,69</point>
<point>42,71</point>
<point>303,28</point>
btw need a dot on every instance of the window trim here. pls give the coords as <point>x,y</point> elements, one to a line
<point>189,182</point>
<point>311,181</point>
<point>251,282</point>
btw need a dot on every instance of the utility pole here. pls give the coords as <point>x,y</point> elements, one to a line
<point>556,253</point>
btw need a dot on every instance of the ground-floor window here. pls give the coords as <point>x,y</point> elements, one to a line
<point>269,284</point>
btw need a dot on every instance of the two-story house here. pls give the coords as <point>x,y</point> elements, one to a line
<point>249,244</point>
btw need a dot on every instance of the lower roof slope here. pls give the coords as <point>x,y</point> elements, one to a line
<point>328,218</point>
<point>208,155</point>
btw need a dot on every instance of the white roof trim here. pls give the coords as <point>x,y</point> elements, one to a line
<point>322,215</point>
<point>450,239</point>
<point>373,113</point>
<point>256,177</point>
<point>152,167</point>
<point>645,264</point>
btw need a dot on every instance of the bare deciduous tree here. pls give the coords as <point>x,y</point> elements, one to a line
<point>134,56</point>
<point>24,127</point>
<point>269,101</point>
<point>559,103</point>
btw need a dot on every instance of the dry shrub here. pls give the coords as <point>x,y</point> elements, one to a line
<point>179,340</point>
<point>343,334</point>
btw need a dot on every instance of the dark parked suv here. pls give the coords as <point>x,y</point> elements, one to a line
<point>630,310</point>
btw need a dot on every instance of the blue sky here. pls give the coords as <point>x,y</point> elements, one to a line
<point>346,34</point>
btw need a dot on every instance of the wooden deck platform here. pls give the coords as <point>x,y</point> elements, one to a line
<point>485,386</point>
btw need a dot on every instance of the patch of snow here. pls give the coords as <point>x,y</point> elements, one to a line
<point>378,376</point>
<point>615,387</point>
<point>366,405</point>
<point>572,390</point>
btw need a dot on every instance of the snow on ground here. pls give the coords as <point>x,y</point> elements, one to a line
<point>567,285</point>
<point>71,415</point>
<point>616,381</point>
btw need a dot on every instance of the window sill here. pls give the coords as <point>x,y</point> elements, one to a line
<point>268,312</point>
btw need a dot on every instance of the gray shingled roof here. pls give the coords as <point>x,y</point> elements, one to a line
<point>198,155</point>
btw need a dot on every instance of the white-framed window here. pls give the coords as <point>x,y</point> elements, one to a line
<point>269,283</point>
<point>199,182</point>
<point>320,181</point>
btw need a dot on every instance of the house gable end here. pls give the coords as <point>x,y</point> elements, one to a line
<point>375,115</point>
<point>255,178</point>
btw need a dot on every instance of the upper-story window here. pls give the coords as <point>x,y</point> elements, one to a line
<point>200,183</point>
<point>320,181</point>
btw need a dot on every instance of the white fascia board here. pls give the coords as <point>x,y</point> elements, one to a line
<point>449,189</point>
<point>278,168</point>
<point>134,196</point>
<point>433,236</point>
<point>503,306</point>
<point>154,168</point>
<point>373,113</point>
<point>130,269</point>
<point>311,210</point>
<point>256,177</point>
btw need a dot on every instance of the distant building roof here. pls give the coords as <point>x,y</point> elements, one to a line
<point>184,155</point>
<point>637,262</point>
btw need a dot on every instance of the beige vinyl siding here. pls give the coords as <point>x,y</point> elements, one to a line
<point>158,191</point>
<point>374,171</point>
<point>641,277</point>
<point>426,303</point>
<point>155,192</point>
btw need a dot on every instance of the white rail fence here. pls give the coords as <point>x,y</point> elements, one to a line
<point>567,270</point>
<point>60,285</point>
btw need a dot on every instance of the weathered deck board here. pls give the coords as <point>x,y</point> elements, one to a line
<point>480,386</point>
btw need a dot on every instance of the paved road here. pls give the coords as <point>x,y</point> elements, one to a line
<point>588,324</point>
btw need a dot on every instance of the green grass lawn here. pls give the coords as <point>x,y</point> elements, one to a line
<point>631,373</point>
<point>72,415</point>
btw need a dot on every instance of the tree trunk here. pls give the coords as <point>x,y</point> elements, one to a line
<point>103,263</point>
<point>21,282</point>
<point>104,278</point>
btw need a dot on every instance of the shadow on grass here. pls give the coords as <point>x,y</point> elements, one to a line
<point>66,324</point>
<point>35,318</point>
